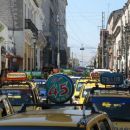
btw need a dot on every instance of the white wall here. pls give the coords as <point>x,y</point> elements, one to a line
<point>19,40</point>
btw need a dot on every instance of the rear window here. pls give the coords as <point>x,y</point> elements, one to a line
<point>38,128</point>
<point>19,96</point>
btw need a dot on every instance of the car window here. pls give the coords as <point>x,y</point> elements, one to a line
<point>79,85</point>
<point>85,92</point>
<point>18,97</point>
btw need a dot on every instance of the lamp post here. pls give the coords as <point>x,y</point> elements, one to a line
<point>34,56</point>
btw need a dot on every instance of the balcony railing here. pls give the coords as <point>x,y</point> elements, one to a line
<point>30,25</point>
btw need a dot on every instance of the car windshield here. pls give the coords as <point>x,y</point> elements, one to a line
<point>39,128</point>
<point>86,92</point>
<point>116,107</point>
<point>18,97</point>
<point>79,85</point>
<point>74,80</point>
<point>42,89</point>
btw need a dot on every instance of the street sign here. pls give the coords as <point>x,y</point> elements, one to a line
<point>60,88</point>
<point>111,78</point>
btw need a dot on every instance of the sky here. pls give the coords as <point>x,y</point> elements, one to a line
<point>84,21</point>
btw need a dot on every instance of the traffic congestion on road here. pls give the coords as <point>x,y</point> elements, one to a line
<point>99,101</point>
<point>58,72</point>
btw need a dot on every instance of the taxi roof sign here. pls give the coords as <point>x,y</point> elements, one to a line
<point>16,76</point>
<point>108,78</point>
<point>60,88</point>
<point>95,75</point>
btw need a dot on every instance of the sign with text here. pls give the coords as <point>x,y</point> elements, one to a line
<point>60,88</point>
<point>16,76</point>
<point>111,78</point>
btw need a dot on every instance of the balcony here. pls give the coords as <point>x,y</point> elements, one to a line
<point>30,25</point>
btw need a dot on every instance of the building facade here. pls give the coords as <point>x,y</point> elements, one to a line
<point>55,32</point>
<point>118,40</point>
<point>24,20</point>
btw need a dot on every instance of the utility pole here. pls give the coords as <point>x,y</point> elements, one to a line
<point>58,39</point>
<point>102,34</point>
<point>72,61</point>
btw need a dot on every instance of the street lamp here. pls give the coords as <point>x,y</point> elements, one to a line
<point>34,45</point>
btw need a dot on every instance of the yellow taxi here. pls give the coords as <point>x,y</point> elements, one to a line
<point>115,101</point>
<point>78,85</point>
<point>19,91</point>
<point>85,90</point>
<point>59,91</point>
<point>57,119</point>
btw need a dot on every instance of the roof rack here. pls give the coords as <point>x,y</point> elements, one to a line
<point>46,105</point>
<point>110,90</point>
<point>19,84</point>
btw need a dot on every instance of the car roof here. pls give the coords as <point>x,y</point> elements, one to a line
<point>18,85</point>
<point>50,117</point>
<point>111,92</point>
<point>101,70</point>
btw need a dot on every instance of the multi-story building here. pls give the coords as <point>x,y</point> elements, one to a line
<point>6,47</point>
<point>55,31</point>
<point>24,20</point>
<point>114,40</point>
<point>62,32</point>
<point>103,48</point>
